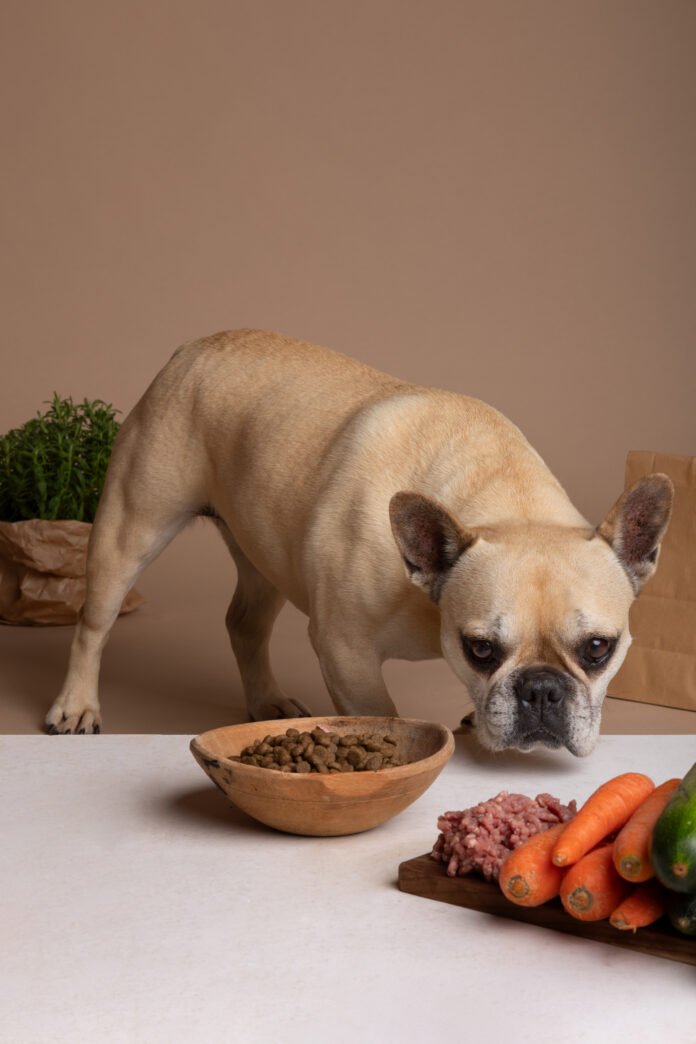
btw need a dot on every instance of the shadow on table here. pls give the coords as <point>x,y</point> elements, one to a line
<point>469,751</point>
<point>206,807</point>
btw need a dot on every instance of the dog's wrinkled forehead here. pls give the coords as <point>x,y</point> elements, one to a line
<point>537,580</point>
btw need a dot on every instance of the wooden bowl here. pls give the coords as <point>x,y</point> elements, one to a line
<point>325,805</point>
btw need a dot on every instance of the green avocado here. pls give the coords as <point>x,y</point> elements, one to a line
<point>673,846</point>
<point>682,913</point>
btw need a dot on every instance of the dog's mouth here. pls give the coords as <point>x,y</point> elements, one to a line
<point>540,736</point>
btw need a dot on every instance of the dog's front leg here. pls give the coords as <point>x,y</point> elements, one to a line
<point>352,671</point>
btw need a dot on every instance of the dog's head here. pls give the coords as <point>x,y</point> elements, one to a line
<point>534,618</point>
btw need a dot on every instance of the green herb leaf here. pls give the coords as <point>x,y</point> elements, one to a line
<point>54,465</point>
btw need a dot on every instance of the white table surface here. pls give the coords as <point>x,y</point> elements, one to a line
<point>137,905</point>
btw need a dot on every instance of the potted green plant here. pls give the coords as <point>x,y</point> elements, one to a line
<point>52,472</point>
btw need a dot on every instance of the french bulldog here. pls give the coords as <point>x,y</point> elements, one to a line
<point>406,522</point>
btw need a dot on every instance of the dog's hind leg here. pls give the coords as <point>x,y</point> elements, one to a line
<point>250,618</point>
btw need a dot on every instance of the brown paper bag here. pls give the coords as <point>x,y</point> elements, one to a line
<point>661,664</point>
<point>42,572</point>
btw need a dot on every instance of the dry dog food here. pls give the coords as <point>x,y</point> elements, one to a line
<point>322,751</point>
<point>480,838</point>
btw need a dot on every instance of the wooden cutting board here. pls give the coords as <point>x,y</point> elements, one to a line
<point>426,877</point>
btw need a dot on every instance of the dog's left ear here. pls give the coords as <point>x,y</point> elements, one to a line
<point>429,538</point>
<point>636,524</point>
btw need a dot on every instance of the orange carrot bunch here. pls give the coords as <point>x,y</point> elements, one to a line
<point>597,872</point>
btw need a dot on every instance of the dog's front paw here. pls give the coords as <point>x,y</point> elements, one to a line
<point>64,719</point>
<point>467,724</point>
<point>279,707</point>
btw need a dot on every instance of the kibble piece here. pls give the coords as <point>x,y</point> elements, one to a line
<point>292,733</point>
<point>264,748</point>
<point>303,766</point>
<point>389,739</point>
<point>355,756</point>
<point>373,763</point>
<point>372,745</point>
<point>288,767</point>
<point>282,756</point>
<point>249,759</point>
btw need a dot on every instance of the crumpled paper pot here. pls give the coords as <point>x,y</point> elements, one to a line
<point>42,572</point>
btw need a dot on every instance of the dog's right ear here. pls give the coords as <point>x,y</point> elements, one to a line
<point>429,538</point>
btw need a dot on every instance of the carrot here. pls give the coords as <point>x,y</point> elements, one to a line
<point>591,888</point>
<point>604,812</point>
<point>632,845</point>
<point>645,904</point>
<point>528,877</point>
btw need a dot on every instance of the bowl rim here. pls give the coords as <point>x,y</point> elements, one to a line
<point>439,758</point>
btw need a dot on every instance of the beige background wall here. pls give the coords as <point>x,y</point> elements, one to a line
<point>496,197</point>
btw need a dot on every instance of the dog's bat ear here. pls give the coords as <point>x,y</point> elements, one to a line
<point>429,538</point>
<point>637,523</point>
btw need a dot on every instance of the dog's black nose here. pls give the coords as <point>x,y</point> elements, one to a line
<point>540,692</point>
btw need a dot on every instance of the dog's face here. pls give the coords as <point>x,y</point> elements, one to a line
<point>534,618</point>
<point>535,623</point>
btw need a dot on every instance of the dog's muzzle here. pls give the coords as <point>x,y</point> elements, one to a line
<point>541,694</point>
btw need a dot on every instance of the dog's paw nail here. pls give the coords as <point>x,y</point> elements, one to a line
<point>51,730</point>
<point>96,729</point>
<point>80,732</point>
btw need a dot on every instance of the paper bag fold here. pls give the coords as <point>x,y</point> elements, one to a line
<point>660,666</point>
<point>42,572</point>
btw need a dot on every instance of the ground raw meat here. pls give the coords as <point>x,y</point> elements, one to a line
<point>480,838</point>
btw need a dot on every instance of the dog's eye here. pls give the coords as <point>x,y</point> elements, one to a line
<point>596,651</point>
<point>481,649</point>
<point>482,654</point>
<point>597,648</point>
